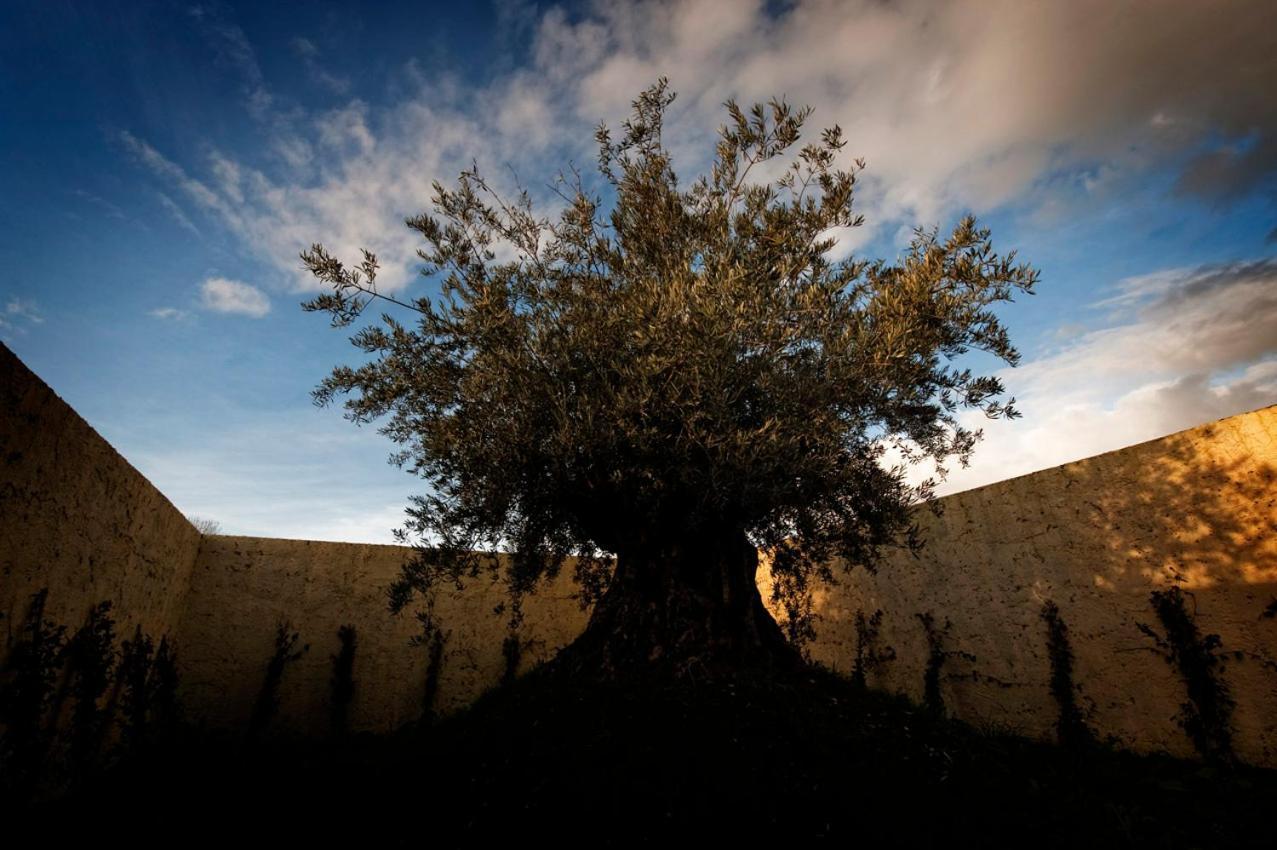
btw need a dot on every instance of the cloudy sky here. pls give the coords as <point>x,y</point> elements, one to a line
<point>164,163</point>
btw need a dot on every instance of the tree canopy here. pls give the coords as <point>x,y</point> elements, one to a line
<point>663,377</point>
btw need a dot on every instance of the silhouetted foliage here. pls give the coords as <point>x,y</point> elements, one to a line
<point>90,661</point>
<point>662,384</point>
<point>1207,714</point>
<point>754,760</point>
<point>937,657</point>
<point>148,681</point>
<point>792,592</point>
<point>30,676</point>
<point>343,681</point>
<point>869,658</point>
<point>134,673</point>
<point>204,525</point>
<point>267,704</point>
<point>165,708</point>
<point>1071,727</point>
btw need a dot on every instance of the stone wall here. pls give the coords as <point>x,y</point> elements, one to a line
<point>77,519</point>
<point>1196,509</point>
<point>243,588</point>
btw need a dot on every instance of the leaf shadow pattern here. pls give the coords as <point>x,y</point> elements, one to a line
<point>870,658</point>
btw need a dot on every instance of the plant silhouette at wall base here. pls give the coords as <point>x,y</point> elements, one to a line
<point>1071,728</point>
<point>511,654</point>
<point>343,681</point>
<point>667,377</point>
<point>148,682</point>
<point>90,660</point>
<point>1206,716</point>
<point>134,673</point>
<point>937,657</point>
<point>166,711</point>
<point>434,674</point>
<point>266,705</point>
<point>30,675</point>
<point>869,658</point>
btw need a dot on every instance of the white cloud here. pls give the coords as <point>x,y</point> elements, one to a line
<point>195,190</point>
<point>25,309</point>
<point>346,130</point>
<point>302,474</point>
<point>17,317</point>
<point>168,313</point>
<point>966,105</point>
<point>230,296</point>
<point>957,104</point>
<point>1185,347</point>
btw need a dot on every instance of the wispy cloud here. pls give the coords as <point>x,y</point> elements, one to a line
<point>968,105</point>
<point>266,477</point>
<point>169,171</point>
<point>178,214</point>
<point>18,316</point>
<point>233,49</point>
<point>109,208</point>
<point>313,57</point>
<point>222,295</point>
<point>24,309</point>
<point>168,313</point>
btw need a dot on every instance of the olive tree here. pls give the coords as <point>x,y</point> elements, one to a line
<point>664,378</point>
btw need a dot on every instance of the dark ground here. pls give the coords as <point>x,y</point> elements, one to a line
<point>746,759</point>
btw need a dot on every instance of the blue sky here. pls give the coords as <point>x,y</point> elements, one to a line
<point>163,164</point>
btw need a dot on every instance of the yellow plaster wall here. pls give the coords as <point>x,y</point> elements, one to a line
<point>1097,536</point>
<point>1198,508</point>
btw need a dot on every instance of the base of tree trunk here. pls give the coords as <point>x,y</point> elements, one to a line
<point>682,610</point>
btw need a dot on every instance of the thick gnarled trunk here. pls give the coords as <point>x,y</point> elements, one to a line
<point>683,608</point>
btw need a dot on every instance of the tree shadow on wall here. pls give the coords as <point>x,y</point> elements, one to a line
<point>1174,512</point>
<point>1188,524</point>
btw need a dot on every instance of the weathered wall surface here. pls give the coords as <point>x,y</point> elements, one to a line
<point>1198,509</point>
<point>76,518</point>
<point>242,588</point>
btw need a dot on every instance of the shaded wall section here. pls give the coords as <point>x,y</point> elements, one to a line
<point>1197,509</point>
<point>77,519</point>
<point>244,588</point>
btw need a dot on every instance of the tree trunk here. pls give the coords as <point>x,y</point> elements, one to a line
<point>682,608</point>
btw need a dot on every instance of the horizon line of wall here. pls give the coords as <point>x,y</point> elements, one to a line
<point>1195,510</point>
